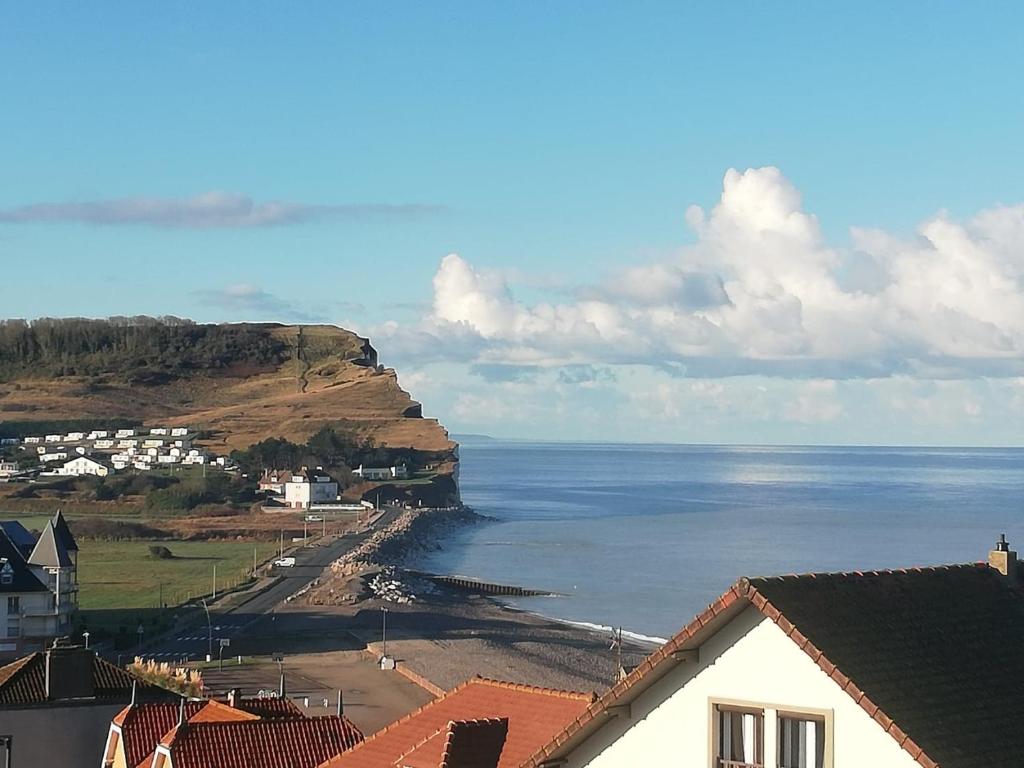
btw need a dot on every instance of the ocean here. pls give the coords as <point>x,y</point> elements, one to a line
<point>646,536</point>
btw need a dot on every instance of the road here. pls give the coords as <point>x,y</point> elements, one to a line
<point>231,623</point>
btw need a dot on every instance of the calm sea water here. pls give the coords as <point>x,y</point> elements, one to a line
<point>645,536</point>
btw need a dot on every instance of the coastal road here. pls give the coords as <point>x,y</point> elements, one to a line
<point>232,622</point>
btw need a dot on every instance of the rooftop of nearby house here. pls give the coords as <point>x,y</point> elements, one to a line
<point>932,654</point>
<point>292,742</point>
<point>533,716</point>
<point>463,744</point>
<point>75,674</point>
<point>143,725</point>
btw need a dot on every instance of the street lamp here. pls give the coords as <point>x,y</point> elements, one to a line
<point>85,634</point>
<point>384,629</point>
<point>209,629</point>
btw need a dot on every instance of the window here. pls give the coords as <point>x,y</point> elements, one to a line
<point>740,737</point>
<point>801,741</point>
<point>13,605</point>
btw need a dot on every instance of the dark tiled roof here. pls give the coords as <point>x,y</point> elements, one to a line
<point>933,655</point>
<point>534,716</point>
<point>50,551</point>
<point>19,535</point>
<point>270,708</point>
<point>23,682</point>
<point>937,650</point>
<point>60,526</point>
<point>462,744</point>
<point>12,560</point>
<point>291,743</point>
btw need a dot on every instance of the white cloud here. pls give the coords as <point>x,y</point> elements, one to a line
<point>207,210</point>
<point>760,291</point>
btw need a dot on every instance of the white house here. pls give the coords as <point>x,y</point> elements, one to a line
<point>125,433</point>
<point>33,440</point>
<point>83,465</point>
<point>98,434</point>
<point>74,437</point>
<point>916,667</point>
<point>179,431</point>
<point>56,456</point>
<point>8,468</point>
<point>54,438</point>
<point>158,431</point>
<point>399,472</point>
<point>103,444</point>
<point>306,488</point>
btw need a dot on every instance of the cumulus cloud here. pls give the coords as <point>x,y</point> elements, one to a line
<point>761,292</point>
<point>208,210</point>
<point>253,303</point>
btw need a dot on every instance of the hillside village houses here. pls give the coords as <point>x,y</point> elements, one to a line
<point>110,450</point>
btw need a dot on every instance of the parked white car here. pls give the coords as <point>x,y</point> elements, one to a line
<point>285,562</point>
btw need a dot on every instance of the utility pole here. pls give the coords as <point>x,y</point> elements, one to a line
<point>214,597</point>
<point>305,529</point>
<point>384,629</point>
<point>209,630</point>
<point>324,534</point>
<point>282,543</point>
<point>254,562</point>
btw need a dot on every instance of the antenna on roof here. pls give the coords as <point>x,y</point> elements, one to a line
<point>181,713</point>
<point>617,647</point>
<point>1001,545</point>
<point>134,684</point>
<point>341,704</point>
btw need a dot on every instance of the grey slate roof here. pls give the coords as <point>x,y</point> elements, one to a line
<point>20,536</point>
<point>12,560</point>
<point>50,551</point>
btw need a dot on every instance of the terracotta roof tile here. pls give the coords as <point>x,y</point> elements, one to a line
<point>461,744</point>
<point>534,716</point>
<point>282,743</point>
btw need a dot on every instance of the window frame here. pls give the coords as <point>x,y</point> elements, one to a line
<point>740,707</point>
<point>770,725</point>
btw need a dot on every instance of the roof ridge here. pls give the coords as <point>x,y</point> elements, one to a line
<point>871,572</point>
<point>559,692</point>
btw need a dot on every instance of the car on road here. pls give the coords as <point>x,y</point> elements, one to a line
<point>285,562</point>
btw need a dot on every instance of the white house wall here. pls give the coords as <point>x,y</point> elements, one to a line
<point>750,660</point>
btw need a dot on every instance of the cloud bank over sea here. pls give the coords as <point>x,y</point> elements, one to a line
<point>758,315</point>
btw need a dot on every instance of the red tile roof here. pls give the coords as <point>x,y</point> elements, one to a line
<point>534,716</point>
<point>291,743</point>
<point>144,725</point>
<point>464,744</point>
<point>933,655</point>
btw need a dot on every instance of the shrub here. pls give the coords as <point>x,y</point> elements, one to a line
<point>160,552</point>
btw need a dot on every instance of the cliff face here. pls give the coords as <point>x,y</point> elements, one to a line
<point>311,376</point>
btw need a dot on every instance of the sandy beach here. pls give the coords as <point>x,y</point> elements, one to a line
<point>447,636</point>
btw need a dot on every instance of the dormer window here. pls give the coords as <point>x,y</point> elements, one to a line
<point>6,572</point>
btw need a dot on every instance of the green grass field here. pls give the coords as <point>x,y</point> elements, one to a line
<point>122,574</point>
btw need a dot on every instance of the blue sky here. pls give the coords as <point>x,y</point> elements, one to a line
<point>317,161</point>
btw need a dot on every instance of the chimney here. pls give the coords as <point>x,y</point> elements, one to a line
<point>1004,559</point>
<point>234,697</point>
<point>69,673</point>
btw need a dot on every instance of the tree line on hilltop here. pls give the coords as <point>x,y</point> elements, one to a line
<point>142,349</point>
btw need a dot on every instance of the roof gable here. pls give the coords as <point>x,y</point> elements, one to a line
<point>953,630</point>
<point>19,536</point>
<point>534,715</point>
